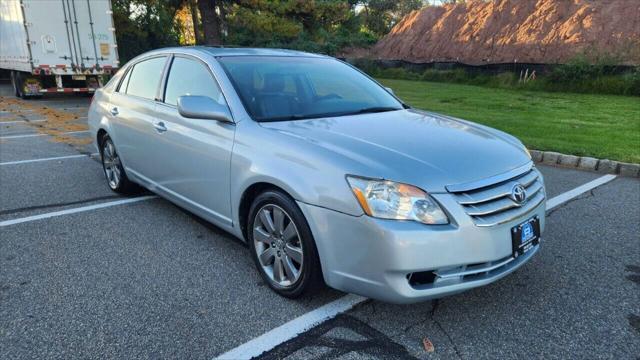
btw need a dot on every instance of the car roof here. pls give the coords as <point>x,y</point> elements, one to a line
<point>241,51</point>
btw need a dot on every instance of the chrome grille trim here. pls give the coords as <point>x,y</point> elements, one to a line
<point>483,269</point>
<point>492,204</point>
<point>509,215</point>
<point>493,193</point>
<point>500,204</point>
<point>473,270</point>
<point>491,180</point>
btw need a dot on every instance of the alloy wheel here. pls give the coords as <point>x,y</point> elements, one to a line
<point>111,163</point>
<point>278,245</point>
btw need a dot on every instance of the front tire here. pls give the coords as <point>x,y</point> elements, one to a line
<point>282,245</point>
<point>113,170</point>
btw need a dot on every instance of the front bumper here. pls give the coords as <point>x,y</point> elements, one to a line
<point>379,258</point>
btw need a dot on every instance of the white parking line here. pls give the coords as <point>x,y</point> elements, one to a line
<point>47,159</point>
<point>291,329</point>
<point>571,194</point>
<point>39,134</point>
<point>288,331</point>
<point>76,210</point>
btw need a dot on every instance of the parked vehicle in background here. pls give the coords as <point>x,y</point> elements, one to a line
<point>57,46</point>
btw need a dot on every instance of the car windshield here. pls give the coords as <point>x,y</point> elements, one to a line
<point>294,88</point>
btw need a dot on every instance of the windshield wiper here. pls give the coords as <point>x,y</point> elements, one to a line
<point>283,118</point>
<point>368,110</point>
<point>375,109</point>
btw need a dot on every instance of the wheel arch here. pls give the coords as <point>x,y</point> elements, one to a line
<point>99,135</point>
<point>247,197</point>
<point>244,206</point>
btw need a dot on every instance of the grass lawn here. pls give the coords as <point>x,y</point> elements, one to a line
<point>602,126</point>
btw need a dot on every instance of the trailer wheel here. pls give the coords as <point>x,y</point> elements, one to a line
<point>19,85</point>
<point>14,83</point>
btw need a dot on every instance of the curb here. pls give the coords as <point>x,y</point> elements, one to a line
<point>604,166</point>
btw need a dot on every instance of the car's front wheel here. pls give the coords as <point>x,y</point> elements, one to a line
<point>282,245</point>
<point>113,170</point>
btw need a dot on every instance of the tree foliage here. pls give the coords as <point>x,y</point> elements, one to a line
<point>325,26</point>
<point>381,15</point>
<point>142,25</point>
<point>321,26</point>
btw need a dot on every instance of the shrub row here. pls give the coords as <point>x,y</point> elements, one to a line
<point>575,76</point>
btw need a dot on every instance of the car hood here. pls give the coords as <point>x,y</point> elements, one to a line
<point>421,148</point>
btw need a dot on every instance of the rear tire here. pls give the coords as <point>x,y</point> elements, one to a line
<point>114,172</point>
<point>16,81</point>
<point>282,245</point>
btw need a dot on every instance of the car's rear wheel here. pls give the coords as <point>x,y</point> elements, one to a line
<point>113,170</point>
<point>282,246</point>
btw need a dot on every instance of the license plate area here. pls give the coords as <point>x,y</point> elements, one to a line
<point>525,236</point>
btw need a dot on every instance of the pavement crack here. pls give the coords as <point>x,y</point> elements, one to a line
<point>48,206</point>
<point>436,304</point>
<point>412,325</point>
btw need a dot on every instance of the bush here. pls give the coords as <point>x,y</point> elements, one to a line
<point>577,70</point>
<point>576,76</point>
<point>595,82</point>
<point>632,81</point>
<point>506,80</point>
<point>456,76</point>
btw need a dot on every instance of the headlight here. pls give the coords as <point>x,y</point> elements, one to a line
<point>391,200</point>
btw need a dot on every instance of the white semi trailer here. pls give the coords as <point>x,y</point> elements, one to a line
<point>57,45</point>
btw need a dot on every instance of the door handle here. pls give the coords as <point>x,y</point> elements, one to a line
<point>160,127</point>
<point>114,111</point>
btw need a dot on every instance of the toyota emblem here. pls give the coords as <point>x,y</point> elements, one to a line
<point>518,194</point>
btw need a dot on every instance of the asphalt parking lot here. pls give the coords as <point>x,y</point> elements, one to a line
<point>145,279</point>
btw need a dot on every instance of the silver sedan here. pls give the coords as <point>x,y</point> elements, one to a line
<point>327,175</point>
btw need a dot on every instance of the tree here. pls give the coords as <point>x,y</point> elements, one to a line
<point>195,19</point>
<point>142,25</point>
<point>318,26</point>
<point>211,22</point>
<point>382,15</point>
<point>325,26</point>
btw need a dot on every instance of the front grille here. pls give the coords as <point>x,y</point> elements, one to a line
<point>493,205</point>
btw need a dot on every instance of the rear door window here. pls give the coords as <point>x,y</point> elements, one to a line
<point>145,78</point>
<point>190,77</point>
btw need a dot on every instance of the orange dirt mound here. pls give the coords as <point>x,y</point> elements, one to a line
<point>526,31</point>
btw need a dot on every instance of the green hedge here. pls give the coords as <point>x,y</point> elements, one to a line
<point>576,76</point>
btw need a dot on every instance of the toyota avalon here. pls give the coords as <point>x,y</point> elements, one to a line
<point>324,173</point>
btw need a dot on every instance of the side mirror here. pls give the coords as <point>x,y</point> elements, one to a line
<point>389,90</point>
<point>203,107</point>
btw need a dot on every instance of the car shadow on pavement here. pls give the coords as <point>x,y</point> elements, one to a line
<point>338,337</point>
